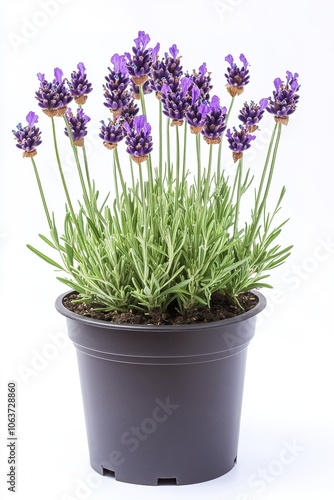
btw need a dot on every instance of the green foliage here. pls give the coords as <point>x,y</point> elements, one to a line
<point>167,238</point>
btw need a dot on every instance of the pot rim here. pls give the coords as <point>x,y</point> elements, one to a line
<point>98,323</point>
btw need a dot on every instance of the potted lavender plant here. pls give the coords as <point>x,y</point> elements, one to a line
<point>162,302</point>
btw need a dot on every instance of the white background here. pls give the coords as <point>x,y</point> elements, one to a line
<point>289,383</point>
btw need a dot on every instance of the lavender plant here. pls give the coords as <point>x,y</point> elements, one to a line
<point>173,235</point>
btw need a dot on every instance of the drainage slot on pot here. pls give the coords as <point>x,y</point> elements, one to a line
<point>167,481</point>
<point>108,472</point>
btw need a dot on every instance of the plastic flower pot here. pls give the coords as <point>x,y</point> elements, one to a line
<point>162,403</point>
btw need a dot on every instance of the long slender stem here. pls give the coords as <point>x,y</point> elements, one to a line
<point>199,166</point>
<point>87,171</point>
<point>265,168</point>
<point>117,166</point>
<point>160,140</point>
<point>81,235</point>
<point>260,204</point>
<point>237,208</point>
<point>168,143</point>
<point>177,185</point>
<point>115,174</point>
<point>221,142</point>
<point>208,174</point>
<point>142,196</point>
<point>41,191</point>
<point>77,161</point>
<point>142,100</point>
<point>68,199</point>
<point>271,171</point>
<point>184,166</point>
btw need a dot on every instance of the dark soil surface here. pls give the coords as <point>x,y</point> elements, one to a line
<point>222,307</point>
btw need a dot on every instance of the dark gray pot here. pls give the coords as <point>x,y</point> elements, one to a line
<point>162,403</point>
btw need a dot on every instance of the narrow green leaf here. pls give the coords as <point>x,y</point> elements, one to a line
<point>45,257</point>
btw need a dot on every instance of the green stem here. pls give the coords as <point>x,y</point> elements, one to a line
<point>87,171</point>
<point>143,201</point>
<point>177,185</point>
<point>265,168</point>
<point>208,175</point>
<point>160,140</point>
<point>41,191</point>
<point>84,155</point>
<point>221,142</point>
<point>124,190</point>
<point>260,204</point>
<point>184,153</point>
<point>271,171</point>
<point>168,144</point>
<point>237,207</point>
<point>199,167</point>
<point>81,177</point>
<point>61,170</point>
<point>115,173</point>
<point>142,100</point>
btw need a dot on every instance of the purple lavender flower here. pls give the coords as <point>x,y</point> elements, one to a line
<point>138,139</point>
<point>79,85</point>
<point>116,101</point>
<point>252,113</point>
<point>139,65</point>
<point>214,124</point>
<point>237,77</point>
<point>77,125</point>
<point>53,97</point>
<point>196,112</point>
<point>112,133</point>
<point>167,71</point>
<point>129,111</point>
<point>115,90</point>
<point>284,100</point>
<point>202,79</point>
<point>173,62</point>
<point>239,141</point>
<point>175,104</point>
<point>28,137</point>
<point>118,78</point>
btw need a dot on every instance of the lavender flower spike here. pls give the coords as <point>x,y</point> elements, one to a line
<point>175,104</point>
<point>251,114</point>
<point>115,90</point>
<point>214,124</point>
<point>239,141</point>
<point>284,100</point>
<point>236,77</point>
<point>77,125</point>
<point>138,139</point>
<point>53,97</point>
<point>202,79</point>
<point>79,85</point>
<point>28,137</point>
<point>111,133</point>
<point>167,71</point>
<point>196,112</point>
<point>139,64</point>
